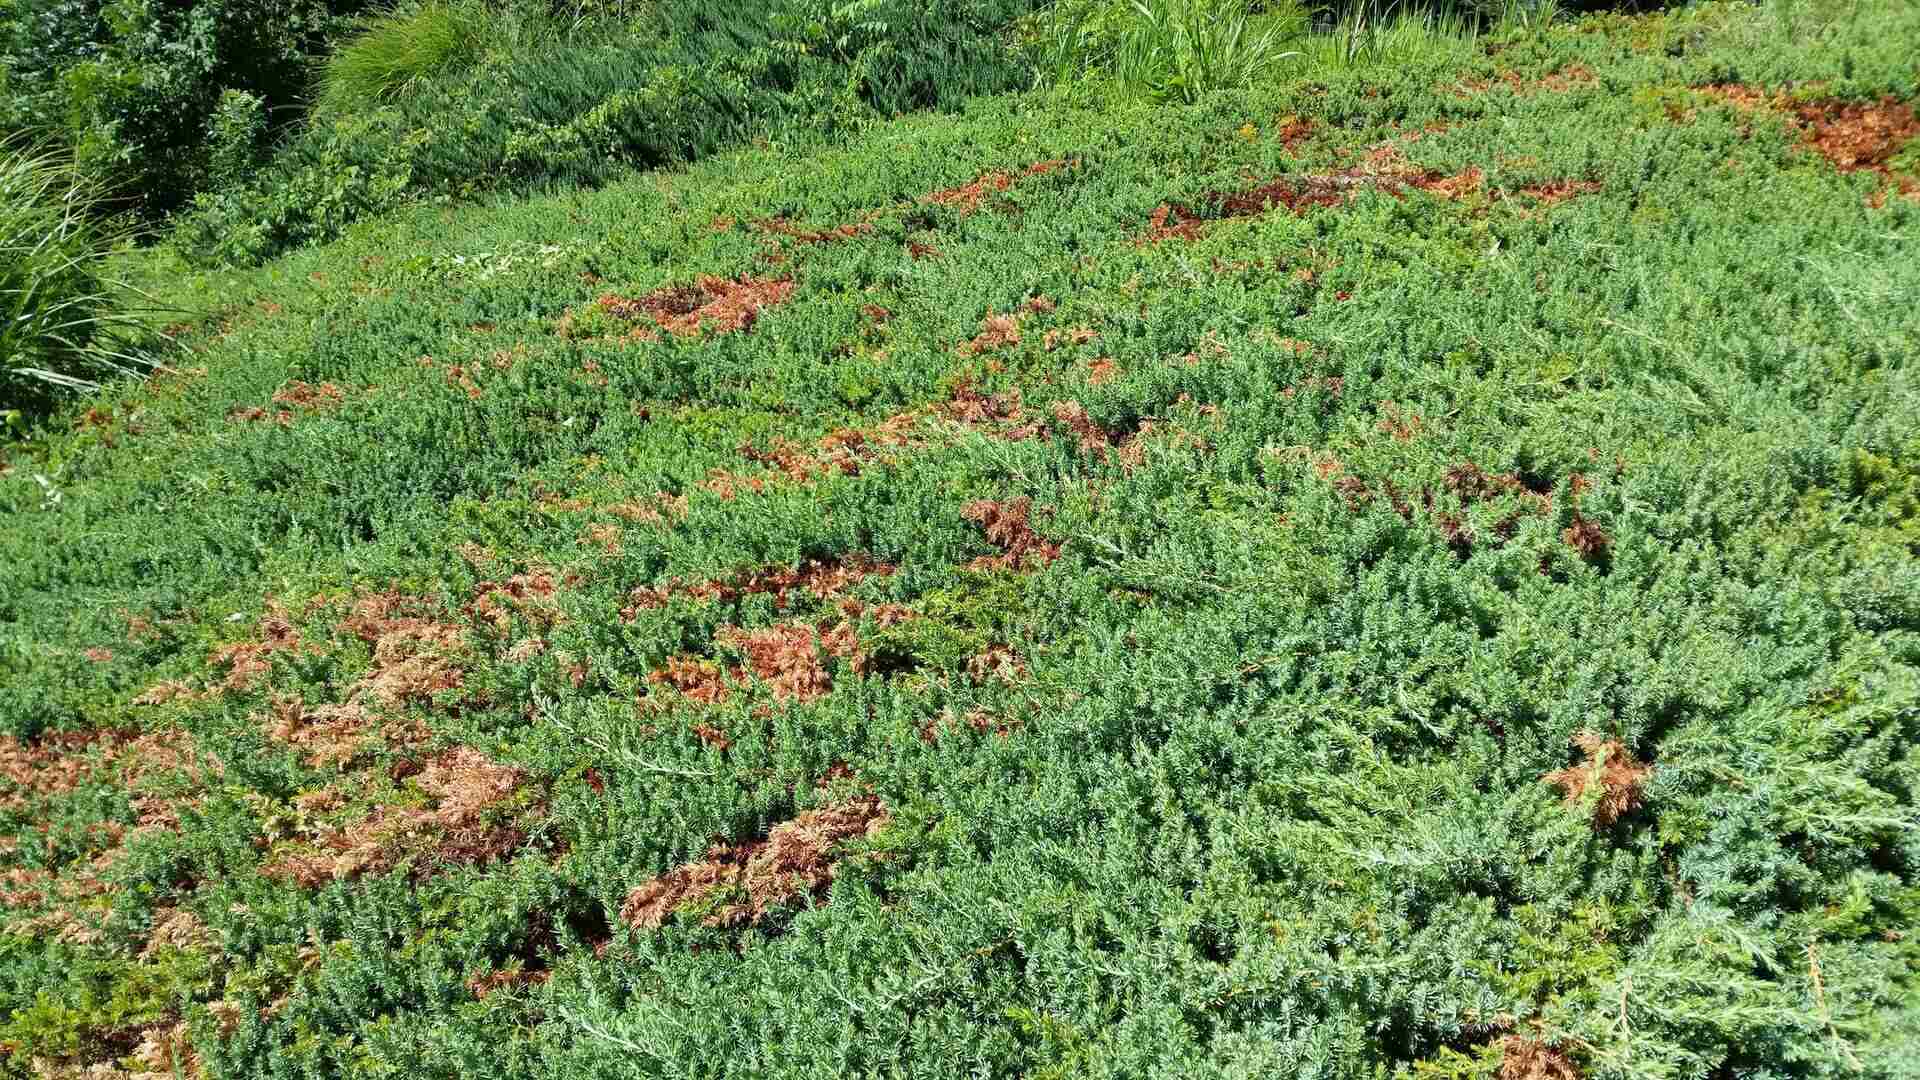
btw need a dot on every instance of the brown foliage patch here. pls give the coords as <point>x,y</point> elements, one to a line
<point>302,395</point>
<point>780,226</point>
<point>998,663</point>
<point>298,397</point>
<point>1171,221</point>
<point>1584,536</point>
<point>1007,527</point>
<point>744,882</point>
<point>414,651</point>
<point>660,510</point>
<point>1857,136</point>
<point>1383,168</point>
<point>967,197</point>
<point>1456,186</point>
<point>482,985</point>
<point>721,305</point>
<point>532,595</point>
<point>821,579</point>
<point>1293,131</point>
<point>1402,424</point>
<point>788,658</point>
<point>1740,97</point>
<point>463,824</point>
<point>1079,335</point>
<point>996,332</point>
<point>54,764</point>
<point>1093,438</point>
<point>1557,82</point>
<point>246,662</point>
<point>1523,1058</point>
<point>1556,191</point>
<point>1611,767</point>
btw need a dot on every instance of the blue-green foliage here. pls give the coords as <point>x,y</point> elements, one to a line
<point>1265,793</point>
<point>664,83</point>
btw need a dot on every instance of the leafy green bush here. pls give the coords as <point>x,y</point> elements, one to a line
<point>62,324</point>
<point>133,85</point>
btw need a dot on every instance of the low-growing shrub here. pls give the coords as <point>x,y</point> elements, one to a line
<point>453,100</point>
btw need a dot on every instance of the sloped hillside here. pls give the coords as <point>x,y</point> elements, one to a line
<point>1358,578</point>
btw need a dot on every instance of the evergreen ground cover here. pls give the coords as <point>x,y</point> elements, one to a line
<point>1398,575</point>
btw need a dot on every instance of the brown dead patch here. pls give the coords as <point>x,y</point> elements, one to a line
<point>297,397</point>
<point>711,735</point>
<point>701,682</point>
<point>532,595</point>
<point>465,823</point>
<point>1329,385</point>
<point>507,979</point>
<point>1858,136</point>
<point>660,510</point>
<point>996,332</point>
<point>789,659</point>
<point>1855,136</point>
<point>967,197</point>
<point>54,764</point>
<point>247,662</point>
<point>843,452</point>
<point>1293,131</point>
<point>709,305</point>
<point>417,654</point>
<point>416,651</point>
<point>1560,81</point>
<point>1172,221</point>
<point>1610,766</point>
<point>1101,371</point>
<point>781,227</point>
<point>1079,335</point>
<point>1455,186</point>
<point>1523,1058</point>
<point>978,721</point>
<point>817,578</point>
<point>302,395</point>
<point>1588,538</point>
<point>740,884</point>
<point>1556,191</point>
<point>1382,168</point>
<point>1092,437</point>
<point>1008,527</point>
<point>1740,97</point>
<point>1403,425</point>
<point>999,663</point>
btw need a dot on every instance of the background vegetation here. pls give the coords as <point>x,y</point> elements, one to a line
<point>1387,569</point>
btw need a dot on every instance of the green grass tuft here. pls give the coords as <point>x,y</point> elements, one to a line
<point>399,49</point>
<point>64,323</point>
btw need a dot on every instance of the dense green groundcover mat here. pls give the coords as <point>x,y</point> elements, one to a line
<point>1360,578</point>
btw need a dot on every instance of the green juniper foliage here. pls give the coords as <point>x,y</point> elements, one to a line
<point>1384,575</point>
<point>449,100</point>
